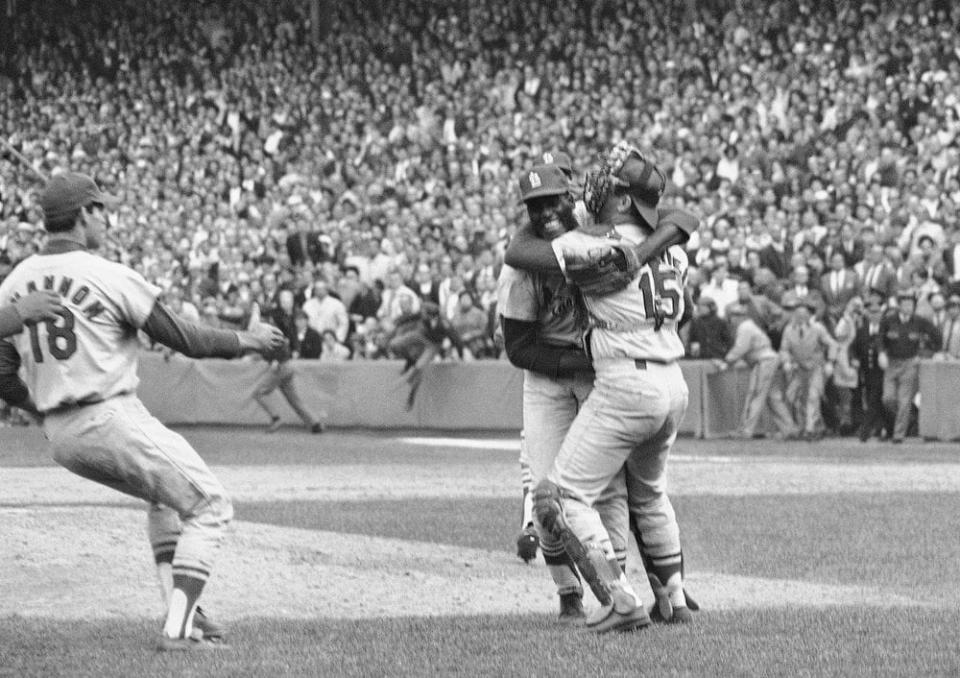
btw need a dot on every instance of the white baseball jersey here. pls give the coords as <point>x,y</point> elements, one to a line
<point>623,322</point>
<point>90,353</point>
<point>545,299</point>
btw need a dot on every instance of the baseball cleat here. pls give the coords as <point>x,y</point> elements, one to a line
<point>527,544</point>
<point>623,614</point>
<point>679,615</point>
<point>206,627</point>
<point>571,609</point>
<point>167,644</point>
<point>317,428</point>
<point>274,425</point>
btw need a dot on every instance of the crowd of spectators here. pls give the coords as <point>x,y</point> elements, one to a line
<point>361,170</point>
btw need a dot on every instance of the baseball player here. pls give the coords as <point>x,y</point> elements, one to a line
<point>81,376</point>
<point>541,321</point>
<point>633,414</point>
<point>529,539</point>
<point>280,375</point>
<point>530,252</point>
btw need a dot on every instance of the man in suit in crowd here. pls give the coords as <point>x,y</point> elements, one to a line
<point>303,244</point>
<point>776,255</point>
<point>876,273</point>
<point>838,286</point>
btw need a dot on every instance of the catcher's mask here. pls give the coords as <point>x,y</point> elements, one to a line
<point>627,169</point>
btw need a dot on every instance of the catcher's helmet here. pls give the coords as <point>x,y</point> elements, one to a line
<point>626,169</point>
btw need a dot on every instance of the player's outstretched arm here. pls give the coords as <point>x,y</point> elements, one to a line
<point>197,341</point>
<point>32,308</point>
<point>674,228</point>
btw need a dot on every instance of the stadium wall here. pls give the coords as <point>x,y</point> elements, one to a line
<point>482,395</point>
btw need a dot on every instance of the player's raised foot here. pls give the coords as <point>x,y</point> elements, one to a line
<point>274,425</point>
<point>624,613</point>
<point>571,609</point>
<point>317,428</point>
<point>527,544</point>
<point>167,644</point>
<point>205,627</point>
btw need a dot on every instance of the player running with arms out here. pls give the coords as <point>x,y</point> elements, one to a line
<point>639,399</point>
<point>542,324</point>
<point>81,376</point>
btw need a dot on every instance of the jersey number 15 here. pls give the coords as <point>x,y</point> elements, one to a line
<point>659,287</point>
<point>61,339</point>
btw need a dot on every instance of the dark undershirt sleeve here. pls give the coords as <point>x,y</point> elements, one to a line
<point>12,388</point>
<point>524,351</point>
<point>10,323</point>
<point>190,339</point>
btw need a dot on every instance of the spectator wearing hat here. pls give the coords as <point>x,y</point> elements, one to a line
<point>865,352</point>
<point>752,345</point>
<point>807,353</point>
<point>904,335</point>
<point>950,349</point>
<point>801,288</point>
<point>709,336</point>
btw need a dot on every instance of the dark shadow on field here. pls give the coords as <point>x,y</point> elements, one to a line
<point>838,641</point>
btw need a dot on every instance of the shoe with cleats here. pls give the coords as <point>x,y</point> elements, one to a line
<point>571,609</point>
<point>624,613</point>
<point>527,544</point>
<point>205,627</point>
<point>663,612</point>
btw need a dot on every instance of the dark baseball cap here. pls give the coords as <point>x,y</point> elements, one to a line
<point>560,159</point>
<point>70,191</point>
<point>543,180</point>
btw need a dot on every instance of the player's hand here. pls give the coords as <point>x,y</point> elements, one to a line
<point>263,338</point>
<point>37,306</point>
<point>883,362</point>
<point>828,370</point>
<point>721,365</point>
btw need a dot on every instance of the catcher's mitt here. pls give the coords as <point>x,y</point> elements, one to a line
<point>605,270</point>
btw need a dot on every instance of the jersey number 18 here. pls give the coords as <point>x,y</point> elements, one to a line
<point>61,339</point>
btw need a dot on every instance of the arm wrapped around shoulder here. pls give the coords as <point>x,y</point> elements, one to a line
<point>602,270</point>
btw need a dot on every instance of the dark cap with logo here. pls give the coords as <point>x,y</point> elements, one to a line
<point>69,191</point>
<point>543,180</point>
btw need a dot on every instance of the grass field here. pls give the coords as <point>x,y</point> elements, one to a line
<point>382,554</point>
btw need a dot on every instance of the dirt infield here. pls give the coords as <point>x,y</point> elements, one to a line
<point>94,562</point>
<point>86,544</point>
